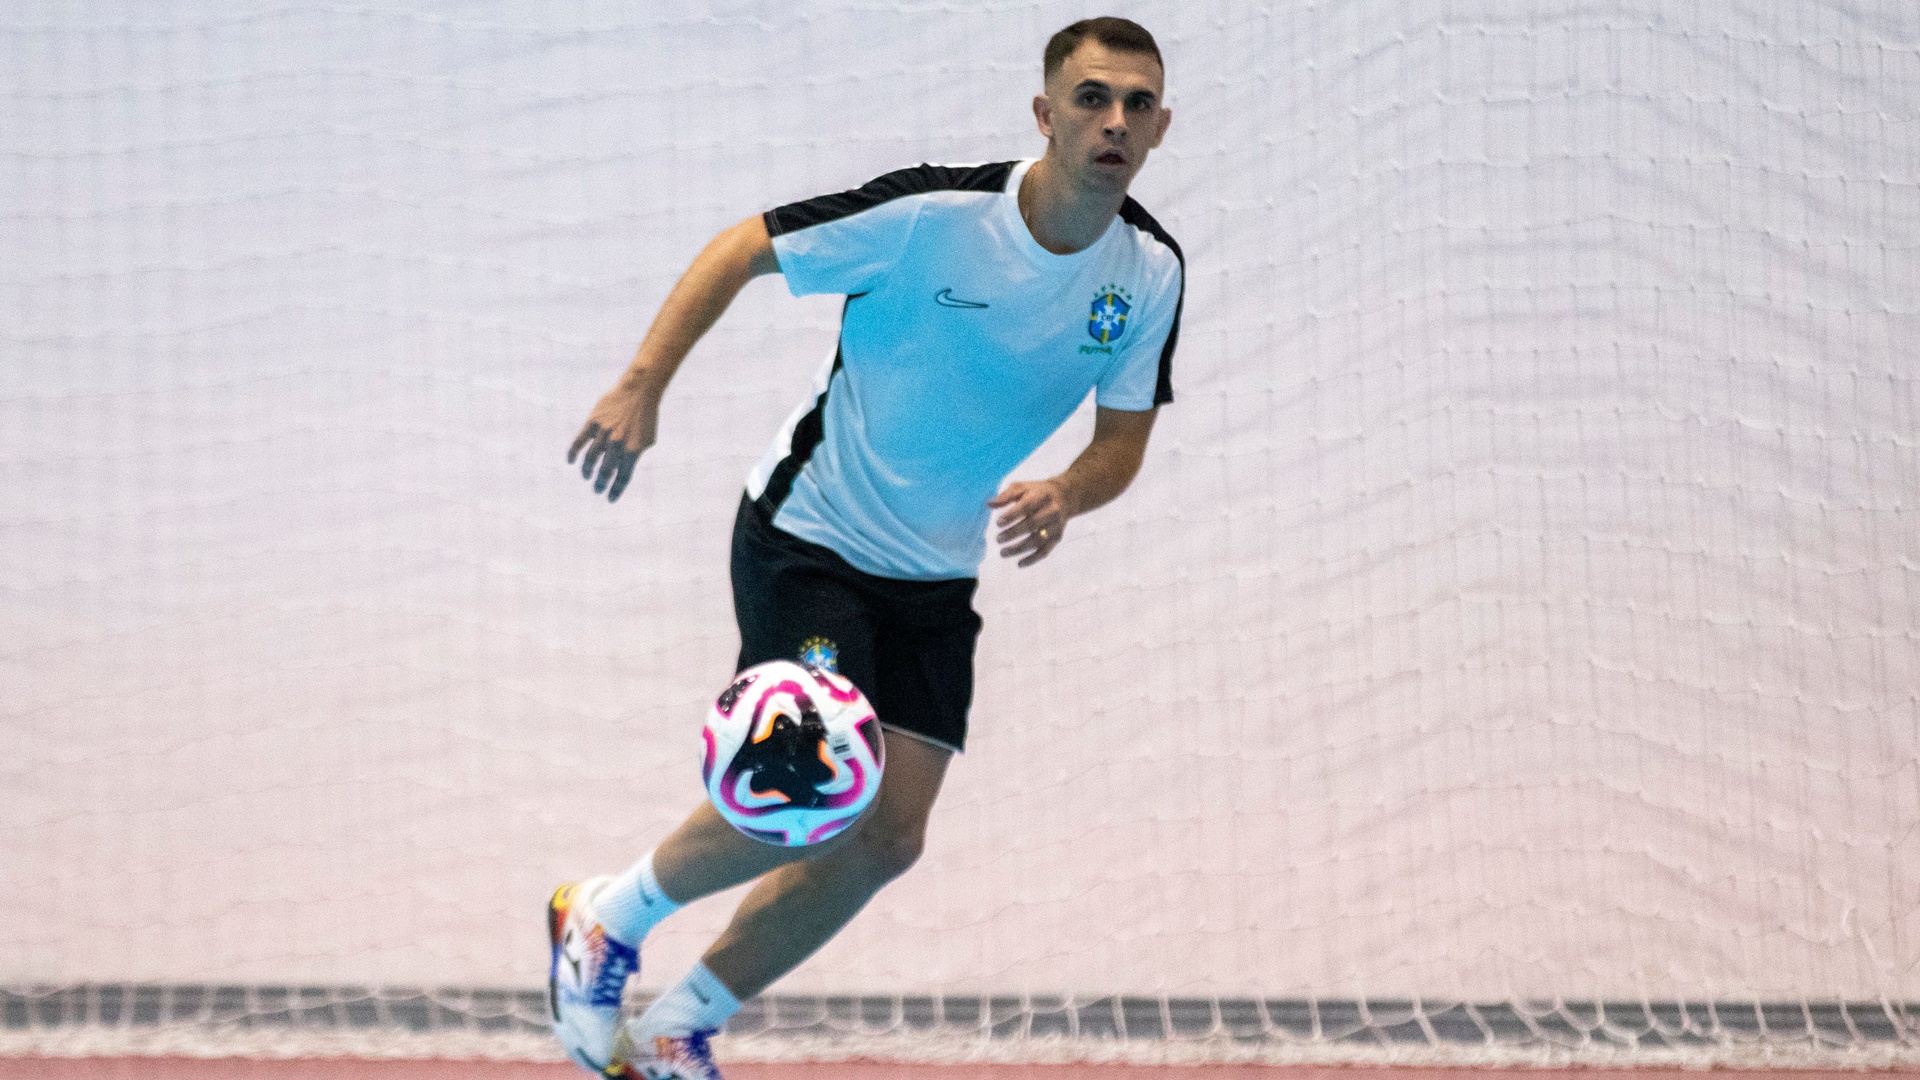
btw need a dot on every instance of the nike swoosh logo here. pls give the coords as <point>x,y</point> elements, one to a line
<point>945,298</point>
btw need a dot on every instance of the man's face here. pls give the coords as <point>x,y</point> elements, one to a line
<point>1102,113</point>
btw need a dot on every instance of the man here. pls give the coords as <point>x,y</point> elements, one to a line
<point>983,303</point>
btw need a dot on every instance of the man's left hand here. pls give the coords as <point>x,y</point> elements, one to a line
<point>1033,516</point>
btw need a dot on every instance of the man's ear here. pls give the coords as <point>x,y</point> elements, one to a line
<point>1166,121</point>
<point>1043,114</point>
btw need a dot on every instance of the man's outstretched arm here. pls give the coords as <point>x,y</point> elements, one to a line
<point>1034,513</point>
<point>623,421</point>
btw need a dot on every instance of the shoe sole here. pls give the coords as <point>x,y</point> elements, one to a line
<point>557,908</point>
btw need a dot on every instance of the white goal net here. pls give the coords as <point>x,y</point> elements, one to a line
<point>1510,644</point>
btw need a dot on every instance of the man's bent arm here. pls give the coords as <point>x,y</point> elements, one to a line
<point>1035,514</point>
<point>624,421</point>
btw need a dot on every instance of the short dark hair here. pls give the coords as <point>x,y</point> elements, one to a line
<point>1120,35</point>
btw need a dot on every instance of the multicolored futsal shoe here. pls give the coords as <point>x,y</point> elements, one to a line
<point>670,1057</point>
<point>589,972</point>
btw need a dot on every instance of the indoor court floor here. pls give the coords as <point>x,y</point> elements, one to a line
<point>149,1068</point>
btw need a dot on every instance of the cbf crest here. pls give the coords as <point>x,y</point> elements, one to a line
<point>1108,320</point>
<point>822,653</point>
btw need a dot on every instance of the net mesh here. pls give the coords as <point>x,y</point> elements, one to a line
<point>1515,618</point>
<point>289,1021</point>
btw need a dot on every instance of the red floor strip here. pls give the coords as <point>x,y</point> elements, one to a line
<point>144,1068</point>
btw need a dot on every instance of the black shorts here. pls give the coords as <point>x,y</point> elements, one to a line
<point>908,645</point>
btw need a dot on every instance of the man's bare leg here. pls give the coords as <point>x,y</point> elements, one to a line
<point>705,854</point>
<point>797,907</point>
<point>805,895</point>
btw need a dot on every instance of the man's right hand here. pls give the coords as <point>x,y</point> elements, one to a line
<point>620,427</point>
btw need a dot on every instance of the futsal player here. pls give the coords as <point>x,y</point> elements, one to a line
<point>983,303</point>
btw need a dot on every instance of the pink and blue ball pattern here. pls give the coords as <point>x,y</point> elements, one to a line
<point>802,754</point>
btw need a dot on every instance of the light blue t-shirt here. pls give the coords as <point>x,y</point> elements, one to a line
<point>963,346</point>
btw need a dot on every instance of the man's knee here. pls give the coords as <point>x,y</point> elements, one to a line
<point>888,842</point>
<point>881,851</point>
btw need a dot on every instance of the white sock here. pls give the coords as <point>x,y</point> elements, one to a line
<point>631,904</point>
<point>697,1002</point>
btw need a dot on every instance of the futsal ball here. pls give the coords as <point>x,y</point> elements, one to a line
<point>793,753</point>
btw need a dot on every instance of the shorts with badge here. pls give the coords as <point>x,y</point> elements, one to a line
<point>908,645</point>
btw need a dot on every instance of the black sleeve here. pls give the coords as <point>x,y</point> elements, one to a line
<point>894,185</point>
<point>1135,215</point>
